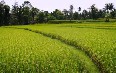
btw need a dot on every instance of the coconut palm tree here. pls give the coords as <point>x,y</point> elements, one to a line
<point>111,6</point>
<point>79,10</point>
<point>108,7</point>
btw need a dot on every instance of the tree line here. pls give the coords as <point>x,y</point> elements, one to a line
<point>27,14</point>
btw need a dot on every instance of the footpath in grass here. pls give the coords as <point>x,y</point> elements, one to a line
<point>99,43</point>
<point>24,51</point>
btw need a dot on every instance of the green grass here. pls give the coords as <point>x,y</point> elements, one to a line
<point>23,51</point>
<point>98,40</point>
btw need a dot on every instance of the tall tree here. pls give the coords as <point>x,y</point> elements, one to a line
<point>65,11</point>
<point>112,9</point>
<point>27,4</point>
<point>20,15</point>
<point>14,14</point>
<point>111,6</point>
<point>27,12</point>
<point>41,17</point>
<point>34,12</point>
<point>108,7</point>
<point>113,13</point>
<point>6,14</point>
<point>58,14</point>
<point>1,13</point>
<point>76,15</point>
<point>101,13</point>
<point>46,16</point>
<point>84,14</point>
<point>94,11</point>
<point>79,10</point>
<point>71,12</point>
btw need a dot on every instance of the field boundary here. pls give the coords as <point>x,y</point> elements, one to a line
<point>96,27</point>
<point>74,44</point>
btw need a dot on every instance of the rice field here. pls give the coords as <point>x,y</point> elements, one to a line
<point>61,48</point>
<point>27,52</point>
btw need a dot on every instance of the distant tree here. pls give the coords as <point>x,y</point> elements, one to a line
<point>14,14</point>
<point>6,14</point>
<point>108,7</point>
<point>27,14</point>
<point>111,6</point>
<point>58,14</point>
<point>20,15</point>
<point>107,12</point>
<point>46,16</point>
<point>27,18</point>
<point>41,17</point>
<point>76,15</point>
<point>84,14</point>
<point>27,4</point>
<point>112,10</point>
<point>113,13</point>
<point>34,12</point>
<point>71,12</point>
<point>79,11</point>
<point>51,16</point>
<point>1,13</point>
<point>94,11</point>
<point>101,13</point>
<point>65,11</point>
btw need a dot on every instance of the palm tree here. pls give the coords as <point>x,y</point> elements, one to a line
<point>108,7</point>
<point>79,10</point>
<point>111,6</point>
<point>71,12</point>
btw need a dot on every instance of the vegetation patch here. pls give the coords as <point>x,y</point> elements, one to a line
<point>24,51</point>
<point>98,43</point>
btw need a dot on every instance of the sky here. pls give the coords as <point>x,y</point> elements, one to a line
<point>51,5</point>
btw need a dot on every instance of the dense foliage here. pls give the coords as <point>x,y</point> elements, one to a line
<point>27,14</point>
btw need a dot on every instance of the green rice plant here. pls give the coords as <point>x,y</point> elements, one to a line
<point>99,39</point>
<point>23,51</point>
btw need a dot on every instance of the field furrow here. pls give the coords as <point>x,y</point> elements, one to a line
<point>24,51</point>
<point>98,44</point>
<point>75,44</point>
